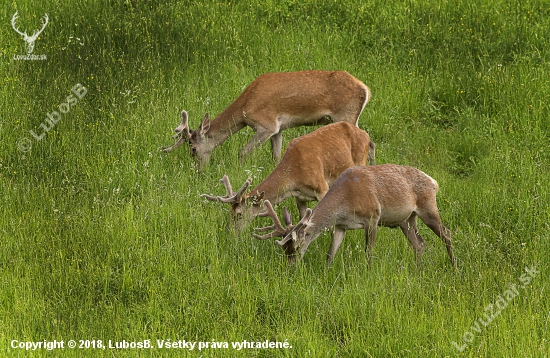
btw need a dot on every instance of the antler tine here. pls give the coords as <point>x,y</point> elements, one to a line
<point>183,128</point>
<point>185,122</point>
<point>230,196</point>
<point>228,191</point>
<point>243,188</point>
<point>286,239</point>
<point>210,197</point>
<point>227,184</point>
<point>278,229</point>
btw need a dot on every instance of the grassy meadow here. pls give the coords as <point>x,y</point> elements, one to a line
<point>103,237</point>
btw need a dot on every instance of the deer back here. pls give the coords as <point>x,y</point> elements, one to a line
<point>302,98</point>
<point>389,191</point>
<point>312,163</point>
<point>325,154</point>
<point>290,99</point>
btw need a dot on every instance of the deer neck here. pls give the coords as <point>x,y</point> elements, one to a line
<point>225,125</point>
<point>323,218</point>
<point>276,187</point>
<point>320,221</point>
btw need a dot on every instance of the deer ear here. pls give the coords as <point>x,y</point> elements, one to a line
<point>287,217</point>
<point>307,215</point>
<point>205,125</point>
<point>257,199</point>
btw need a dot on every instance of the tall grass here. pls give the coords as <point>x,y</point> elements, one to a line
<point>103,237</point>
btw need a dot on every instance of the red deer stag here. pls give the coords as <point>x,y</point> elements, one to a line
<point>364,198</point>
<point>274,102</point>
<point>309,167</point>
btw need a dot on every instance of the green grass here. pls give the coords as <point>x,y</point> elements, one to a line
<point>104,237</point>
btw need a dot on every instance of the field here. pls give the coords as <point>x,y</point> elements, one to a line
<point>104,239</point>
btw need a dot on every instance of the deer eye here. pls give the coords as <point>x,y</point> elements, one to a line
<point>193,151</point>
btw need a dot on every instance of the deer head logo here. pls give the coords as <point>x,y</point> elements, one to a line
<point>29,39</point>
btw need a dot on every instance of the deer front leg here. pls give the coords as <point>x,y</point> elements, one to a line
<point>370,237</point>
<point>372,153</point>
<point>277,145</point>
<point>262,135</point>
<point>337,238</point>
<point>302,206</point>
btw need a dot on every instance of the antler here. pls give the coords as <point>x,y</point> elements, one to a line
<point>183,128</point>
<point>277,227</point>
<point>289,236</point>
<point>230,196</point>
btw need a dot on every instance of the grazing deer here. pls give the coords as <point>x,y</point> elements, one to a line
<point>364,198</point>
<point>30,40</point>
<point>309,167</point>
<point>274,102</point>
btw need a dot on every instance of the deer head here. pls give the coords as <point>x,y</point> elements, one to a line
<point>240,204</point>
<point>200,149</point>
<point>198,143</point>
<point>29,39</point>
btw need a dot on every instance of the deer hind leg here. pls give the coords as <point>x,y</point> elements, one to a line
<point>350,113</point>
<point>410,230</point>
<point>433,221</point>
<point>337,238</point>
<point>262,135</point>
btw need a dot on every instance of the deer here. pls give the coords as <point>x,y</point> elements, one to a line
<point>274,102</point>
<point>365,197</point>
<point>30,40</point>
<point>308,168</point>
